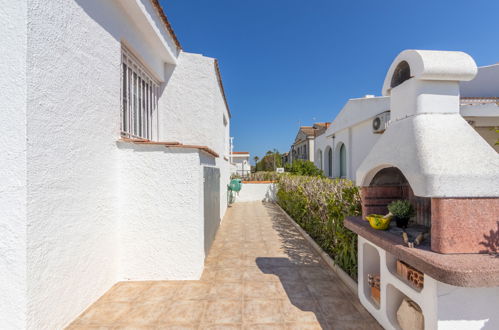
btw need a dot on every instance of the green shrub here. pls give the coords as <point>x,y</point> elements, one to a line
<point>264,176</point>
<point>319,206</point>
<point>401,209</point>
<point>303,167</point>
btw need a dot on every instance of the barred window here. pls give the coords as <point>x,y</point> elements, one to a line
<point>139,99</point>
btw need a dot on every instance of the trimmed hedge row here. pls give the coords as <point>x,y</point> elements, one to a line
<point>319,206</point>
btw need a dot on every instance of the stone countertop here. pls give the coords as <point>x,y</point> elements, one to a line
<point>464,270</point>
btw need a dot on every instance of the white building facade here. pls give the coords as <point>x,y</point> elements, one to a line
<point>303,147</point>
<point>241,163</point>
<point>354,131</point>
<point>104,176</point>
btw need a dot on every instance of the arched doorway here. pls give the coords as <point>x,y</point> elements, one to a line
<point>330,162</point>
<point>319,159</point>
<point>343,161</point>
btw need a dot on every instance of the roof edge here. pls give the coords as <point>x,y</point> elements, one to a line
<point>167,24</point>
<point>220,83</point>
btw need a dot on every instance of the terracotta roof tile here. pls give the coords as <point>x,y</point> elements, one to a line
<point>479,100</point>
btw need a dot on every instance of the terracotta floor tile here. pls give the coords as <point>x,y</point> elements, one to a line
<point>104,313</point>
<point>260,273</point>
<point>315,273</point>
<point>88,327</point>
<point>223,311</point>
<point>229,275</point>
<point>177,327</point>
<point>354,325</point>
<point>326,288</point>
<point>287,273</point>
<point>301,310</point>
<point>126,291</point>
<point>263,290</point>
<point>144,313</point>
<point>221,326</point>
<point>295,289</point>
<point>234,262</point>
<point>194,291</point>
<point>159,292</point>
<point>338,308</point>
<point>226,290</point>
<point>265,326</point>
<point>183,312</point>
<point>135,327</point>
<point>255,274</point>
<point>307,326</point>
<point>262,311</point>
<point>209,274</point>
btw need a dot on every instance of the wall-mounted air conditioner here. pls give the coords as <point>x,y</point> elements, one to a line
<point>380,122</point>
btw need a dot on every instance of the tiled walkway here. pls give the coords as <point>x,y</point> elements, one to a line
<point>260,274</point>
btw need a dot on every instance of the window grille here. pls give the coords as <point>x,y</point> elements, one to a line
<point>139,99</point>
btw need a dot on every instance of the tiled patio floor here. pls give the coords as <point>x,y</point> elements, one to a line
<point>260,274</point>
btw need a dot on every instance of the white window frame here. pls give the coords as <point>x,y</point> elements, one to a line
<point>139,99</point>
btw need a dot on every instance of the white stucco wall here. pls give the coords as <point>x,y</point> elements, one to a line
<point>71,209</point>
<point>467,308</point>
<point>72,159</point>
<point>13,165</point>
<point>320,142</point>
<point>256,192</point>
<point>161,235</point>
<point>241,164</point>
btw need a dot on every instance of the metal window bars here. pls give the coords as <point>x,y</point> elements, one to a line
<point>139,99</point>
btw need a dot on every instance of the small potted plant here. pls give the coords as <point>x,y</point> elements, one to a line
<point>402,211</point>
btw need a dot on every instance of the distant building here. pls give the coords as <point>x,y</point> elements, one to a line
<point>285,158</point>
<point>241,160</point>
<point>303,147</point>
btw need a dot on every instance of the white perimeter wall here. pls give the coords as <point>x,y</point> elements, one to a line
<point>76,197</point>
<point>252,192</point>
<point>13,165</point>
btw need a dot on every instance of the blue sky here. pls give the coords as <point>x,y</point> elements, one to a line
<point>286,62</point>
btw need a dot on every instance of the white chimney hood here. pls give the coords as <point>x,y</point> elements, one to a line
<point>438,152</point>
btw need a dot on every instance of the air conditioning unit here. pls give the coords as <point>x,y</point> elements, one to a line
<point>380,122</point>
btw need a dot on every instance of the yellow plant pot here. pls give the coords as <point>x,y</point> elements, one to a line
<point>379,222</point>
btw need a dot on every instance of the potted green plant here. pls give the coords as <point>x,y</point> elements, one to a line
<point>402,211</point>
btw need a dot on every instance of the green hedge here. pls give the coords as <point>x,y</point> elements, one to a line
<point>319,206</point>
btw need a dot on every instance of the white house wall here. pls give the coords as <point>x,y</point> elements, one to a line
<point>13,165</point>
<point>320,145</point>
<point>352,127</point>
<point>192,110</point>
<point>73,124</point>
<point>80,198</point>
<point>161,217</point>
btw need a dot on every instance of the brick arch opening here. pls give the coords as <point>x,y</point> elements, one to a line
<point>390,184</point>
<point>401,73</point>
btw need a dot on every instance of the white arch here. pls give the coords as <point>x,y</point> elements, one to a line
<point>328,162</point>
<point>318,161</point>
<point>340,167</point>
